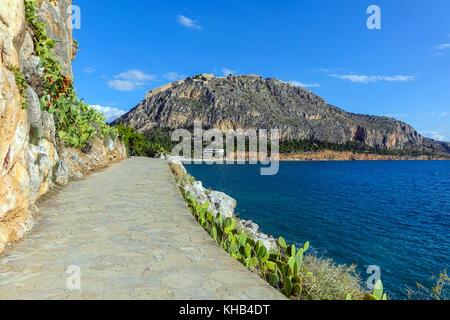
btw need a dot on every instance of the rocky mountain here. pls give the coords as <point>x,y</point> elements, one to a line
<point>253,102</point>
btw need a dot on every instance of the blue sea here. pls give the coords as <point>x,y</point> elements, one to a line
<point>393,214</point>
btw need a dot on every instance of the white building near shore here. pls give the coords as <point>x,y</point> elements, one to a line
<point>211,153</point>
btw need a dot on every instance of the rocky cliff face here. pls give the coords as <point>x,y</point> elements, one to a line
<point>31,159</point>
<point>248,102</point>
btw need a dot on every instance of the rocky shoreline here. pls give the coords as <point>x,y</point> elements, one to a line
<point>220,203</point>
<point>329,155</point>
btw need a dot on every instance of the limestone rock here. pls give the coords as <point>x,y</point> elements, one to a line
<point>176,161</point>
<point>48,127</point>
<point>57,18</point>
<point>250,226</point>
<point>33,74</point>
<point>109,144</point>
<point>252,229</point>
<point>197,191</point>
<point>14,179</point>
<point>219,201</point>
<point>27,49</point>
<point>34,115</point>
<point>12,30</point>
<point>40,167</point>
<point>79,175</point>
<point>62,173</point>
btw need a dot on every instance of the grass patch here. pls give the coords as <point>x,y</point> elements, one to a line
<point>181,177</point>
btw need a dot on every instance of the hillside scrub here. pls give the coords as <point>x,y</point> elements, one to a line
<point>298,146</point>
<point>141,145</point>
<point>162,137</point>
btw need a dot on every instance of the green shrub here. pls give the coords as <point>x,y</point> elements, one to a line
<point>161,137</point>
<point>312,145</point>
<point>138,144</point>
<point>75,121</point>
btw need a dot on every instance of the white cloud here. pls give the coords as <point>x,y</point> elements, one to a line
<point>367,79</point>
<point>326,70</point>
<point>174,76</point>
<point>111,114</point>
<point>88,70</point>
<point>130,80</point>
<point>305,85</point>
<point>135,75</point>
<point>189,23</point>
<point>443,46</point>
<point>227,72</point>
<point>433,135</point>
<point>122,85</point>
<point>444,114</point>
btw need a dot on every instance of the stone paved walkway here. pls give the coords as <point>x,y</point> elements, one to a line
<point>132,237</point>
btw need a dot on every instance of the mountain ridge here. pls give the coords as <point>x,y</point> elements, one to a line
<point>252,102</point>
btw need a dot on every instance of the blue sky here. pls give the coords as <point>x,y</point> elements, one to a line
<point>402,70</point>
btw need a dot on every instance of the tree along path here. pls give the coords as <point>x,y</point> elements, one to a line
<point>128,231</point>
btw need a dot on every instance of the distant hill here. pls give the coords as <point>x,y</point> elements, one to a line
<point>252,102</point>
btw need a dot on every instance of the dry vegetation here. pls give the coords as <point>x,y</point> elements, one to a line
<point>331,281</point>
